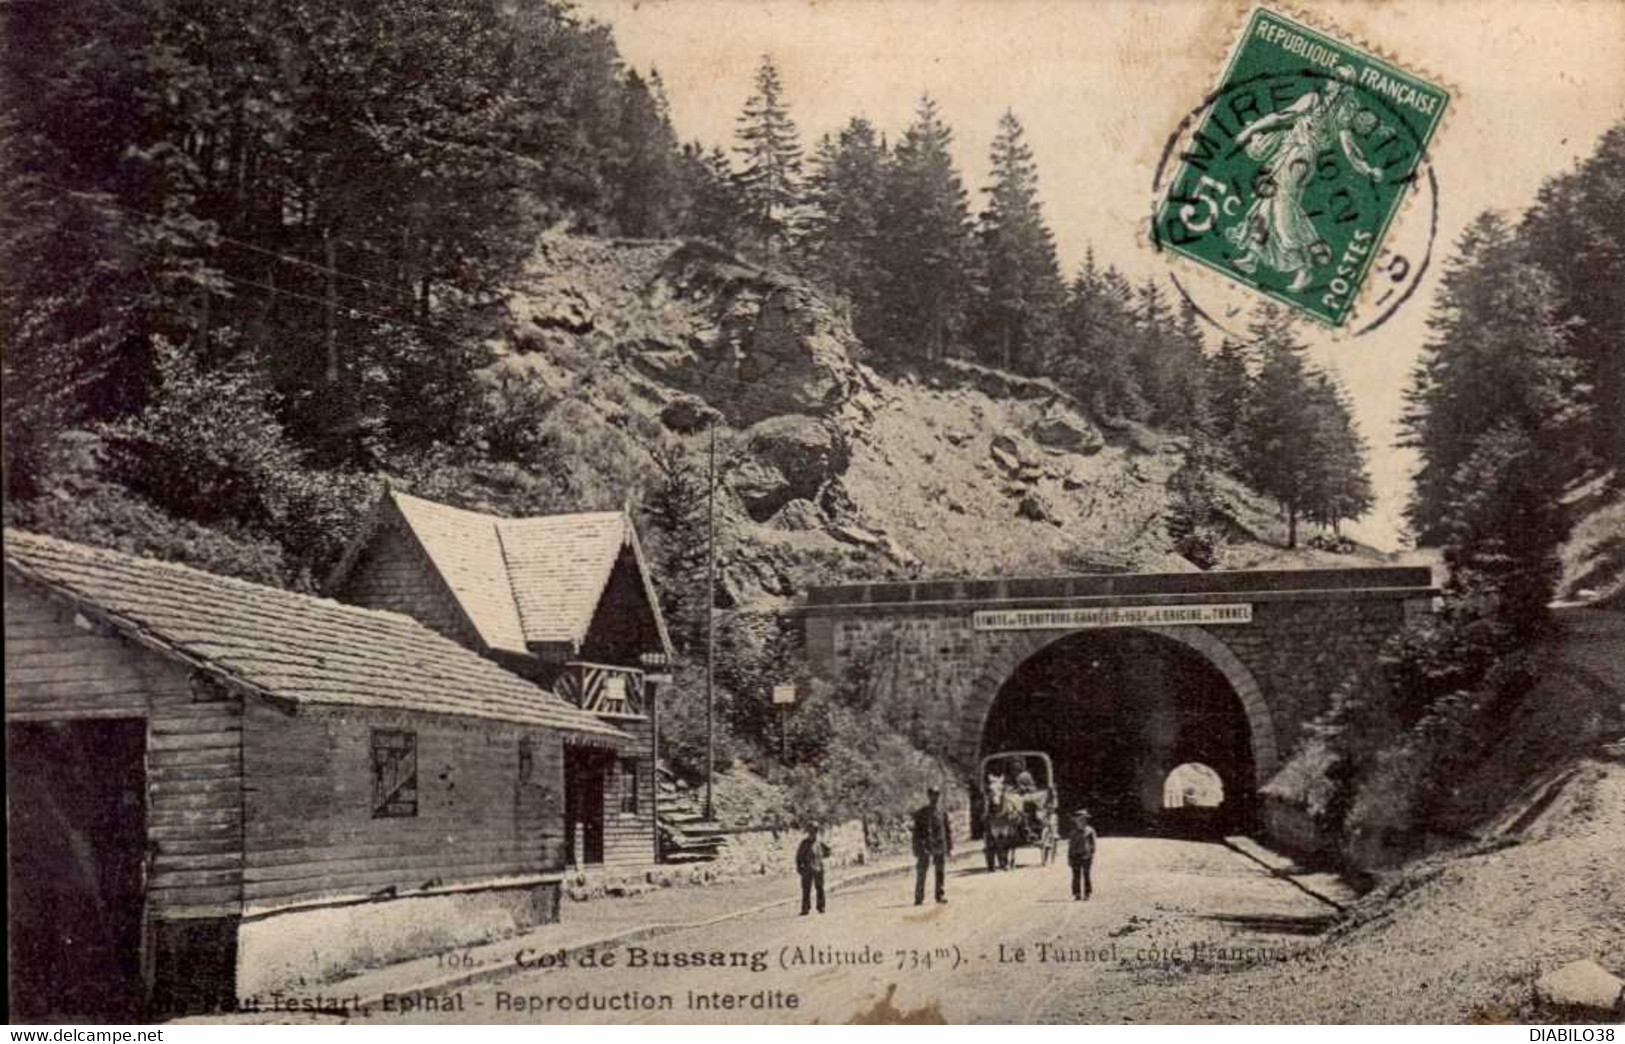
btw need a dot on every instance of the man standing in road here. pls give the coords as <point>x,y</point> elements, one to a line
<point>810,865</point>
<point>1080,852</point>
<point>933,843</point>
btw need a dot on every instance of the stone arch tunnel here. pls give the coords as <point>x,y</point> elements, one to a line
<point>1117,711</point>
<point>1120,678</point>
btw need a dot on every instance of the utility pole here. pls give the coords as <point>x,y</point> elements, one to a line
<point>710,619</point>
<point>651,692</point>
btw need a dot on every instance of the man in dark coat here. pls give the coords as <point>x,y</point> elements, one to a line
<point>1080,853</point>
<point>810,858</point>
<point>933,844</point>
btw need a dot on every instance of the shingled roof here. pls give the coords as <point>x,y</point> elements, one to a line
<point>524,582</point>
<point>467,552</point>
<point>291,646</point>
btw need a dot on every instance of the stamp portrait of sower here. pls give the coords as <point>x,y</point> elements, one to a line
<point>1276,230</point>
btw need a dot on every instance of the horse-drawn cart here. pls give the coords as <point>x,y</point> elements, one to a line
<point>1018,808</point>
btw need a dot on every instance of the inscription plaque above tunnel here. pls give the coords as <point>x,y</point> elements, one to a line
<point>1111,616</point>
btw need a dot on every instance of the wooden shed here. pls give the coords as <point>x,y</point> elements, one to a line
<point>564,600</point>
<point>217,788</point>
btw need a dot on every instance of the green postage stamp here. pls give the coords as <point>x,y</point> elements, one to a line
<point>1299,162</point>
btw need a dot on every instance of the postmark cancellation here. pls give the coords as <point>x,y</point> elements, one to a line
<point>1287,178</point>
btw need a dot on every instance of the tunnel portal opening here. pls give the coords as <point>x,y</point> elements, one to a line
<point>1118,711</point>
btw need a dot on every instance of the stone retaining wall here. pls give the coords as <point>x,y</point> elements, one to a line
<point>748,853</point>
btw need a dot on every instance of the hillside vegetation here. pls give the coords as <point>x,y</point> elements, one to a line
<point>1515,411</point>
<point>265,260</point>
<point>602,374</point>
<point>829,468</point>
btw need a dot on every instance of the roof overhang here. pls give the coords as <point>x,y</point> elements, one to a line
<point>598,733</point>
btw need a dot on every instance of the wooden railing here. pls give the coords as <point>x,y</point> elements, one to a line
<point>614,692</point>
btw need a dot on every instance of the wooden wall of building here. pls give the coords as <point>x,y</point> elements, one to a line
<point>61,665</point>
<point>311,830</point>
<point>57,669</point>
<point>394,573</point>
<point>629,839</point>
<point>623,625</point>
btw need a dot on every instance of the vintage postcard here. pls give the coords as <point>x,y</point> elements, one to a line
<point>814,511</point>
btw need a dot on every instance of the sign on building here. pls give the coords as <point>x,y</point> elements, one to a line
<point>1110,616</point>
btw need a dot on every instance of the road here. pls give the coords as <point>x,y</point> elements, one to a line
<point>1007,947</point>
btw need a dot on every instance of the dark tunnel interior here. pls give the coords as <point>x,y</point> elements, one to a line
<point>1117,711</point>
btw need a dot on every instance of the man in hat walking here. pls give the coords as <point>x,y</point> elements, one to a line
<point>1080,852</point>
<point>933,843</point>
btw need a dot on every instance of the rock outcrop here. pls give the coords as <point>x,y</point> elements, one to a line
<point>1583,984</point>
<point>829,470</point>
<point>1062,427</point>
<point>686,414</point>
<point>784,459</point>
<point>753,344</point>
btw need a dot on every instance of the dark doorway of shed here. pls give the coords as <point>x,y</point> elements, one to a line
<point>76,842</point>
<point>1117,710</point>
<point>584,774</point>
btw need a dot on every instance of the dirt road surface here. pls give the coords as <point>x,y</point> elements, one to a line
<point>1007,947</point>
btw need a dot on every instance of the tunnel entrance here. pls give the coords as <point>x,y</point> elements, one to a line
<point>1118,711</point>
<point>1192,785</point>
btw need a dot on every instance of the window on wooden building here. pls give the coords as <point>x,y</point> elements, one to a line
<point>527,760</point>
<point>628,776</point>
<point>394,773</point>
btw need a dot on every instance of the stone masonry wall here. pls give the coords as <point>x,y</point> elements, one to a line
<point>1301,652</point>
<point>1285,665</point>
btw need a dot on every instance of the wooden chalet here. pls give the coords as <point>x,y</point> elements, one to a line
<point>564,600</point>
<point>217,788</point>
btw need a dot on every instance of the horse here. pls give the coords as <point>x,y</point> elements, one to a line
<point>1006,824</point>
<point>1016,817</point>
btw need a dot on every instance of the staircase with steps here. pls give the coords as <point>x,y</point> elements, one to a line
<point>686,836</point>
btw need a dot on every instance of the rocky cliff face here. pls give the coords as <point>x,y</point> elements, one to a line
<point>829,469</point>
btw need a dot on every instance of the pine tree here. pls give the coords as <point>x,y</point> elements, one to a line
<point>712,196</point>
<point>1194,520</point>
<point>1574,233</point>
<point>1153,334</point>
<point>318,185</point>
<point>1093,360</point>
<point>924,250</point>
<point>1338,483</point>
<point>1497,354</point>
<point>1278,428</point>
<point>1297,438</point>
<point>565,95</point>
<point>646,198</point>
<point>840,247</point>
<point>819,205</point>
<point>675,508</point>
<point>1017,316</point>
<point>1187,406</point>
<point>1227,382</point>
<point>1168,357</point>
<point>1498,415</point>
<point>1504,524</point>
<point>770,152</point>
